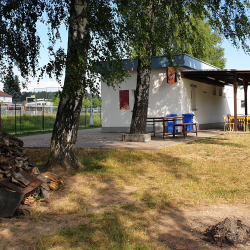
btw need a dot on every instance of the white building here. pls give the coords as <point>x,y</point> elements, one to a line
<point>5,98</point>
<point>202,95</point>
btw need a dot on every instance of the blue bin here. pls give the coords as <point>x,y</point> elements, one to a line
<point>188,118</point>
<point>170,124</point>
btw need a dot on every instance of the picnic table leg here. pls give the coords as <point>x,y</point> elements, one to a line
<point>185,131</point>
<point>154,126</point>
<point>173,131</point>
<point>163,128</point>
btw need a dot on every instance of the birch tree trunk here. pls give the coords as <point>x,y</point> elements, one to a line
<point>63,149</point>
<point>140,110</point>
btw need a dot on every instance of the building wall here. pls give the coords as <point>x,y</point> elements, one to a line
<point>185,96</point>
<point>5,99</point>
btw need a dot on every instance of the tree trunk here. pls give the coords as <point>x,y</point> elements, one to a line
<point>140,110</point>
<point>63,149</point>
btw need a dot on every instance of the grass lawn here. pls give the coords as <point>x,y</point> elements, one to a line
<point>34,124</point>
<point>117,201</point>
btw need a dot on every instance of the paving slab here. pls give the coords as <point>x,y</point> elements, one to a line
<point>94,138</point>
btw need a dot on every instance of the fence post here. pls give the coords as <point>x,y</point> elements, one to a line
<point>43,117</point>
<point>100,115</point>
<point>15,118</point>
<point>20,119</point>
<point>85,116</point>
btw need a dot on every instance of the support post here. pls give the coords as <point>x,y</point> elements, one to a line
<point>245,98</point>
<point>245,95</point>
<point>235,82</point>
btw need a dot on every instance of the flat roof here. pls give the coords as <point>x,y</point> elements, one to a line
<point>218,77</point>
<point>182,60</point>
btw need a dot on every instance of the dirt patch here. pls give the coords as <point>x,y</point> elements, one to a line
<point>183,228</point>
<point>229,231</point>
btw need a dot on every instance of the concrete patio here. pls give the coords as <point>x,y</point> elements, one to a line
<point>94,138</point>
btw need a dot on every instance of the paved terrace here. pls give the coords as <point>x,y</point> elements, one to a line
<point>94,138</point>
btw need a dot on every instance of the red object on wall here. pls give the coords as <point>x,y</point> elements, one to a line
<point>124,99</point>
<point>171,75</point>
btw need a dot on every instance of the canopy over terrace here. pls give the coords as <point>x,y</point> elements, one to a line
<point>221,78</point>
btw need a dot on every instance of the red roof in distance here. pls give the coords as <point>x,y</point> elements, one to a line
<point>2,94</point>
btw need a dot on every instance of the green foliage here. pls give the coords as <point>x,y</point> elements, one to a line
<point>12,86</point>
<point>56,99</point>
<point>153,26</point>
<point>86,102</point>
<point>171,27</point>
<point>203,44</point>
<point>97,102</point>
<point>101,40</point>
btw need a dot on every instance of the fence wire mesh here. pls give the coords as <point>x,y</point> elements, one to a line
<point>18,119</point>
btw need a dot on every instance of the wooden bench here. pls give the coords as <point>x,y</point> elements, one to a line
<point>184,129</point>
<point>163,120</point>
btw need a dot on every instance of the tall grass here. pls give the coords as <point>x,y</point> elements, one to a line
<point>28,123</point>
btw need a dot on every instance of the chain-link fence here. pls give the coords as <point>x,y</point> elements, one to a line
<point>18,119</point>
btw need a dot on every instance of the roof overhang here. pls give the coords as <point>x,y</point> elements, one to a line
<point>183,61</point>
<point>218,77</point>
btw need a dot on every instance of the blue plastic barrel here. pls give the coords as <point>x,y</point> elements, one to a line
<point>170,124</point>
<point>188,118</point>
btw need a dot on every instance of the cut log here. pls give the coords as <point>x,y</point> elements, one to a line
<point>19,177</point>
<point>8,140</point>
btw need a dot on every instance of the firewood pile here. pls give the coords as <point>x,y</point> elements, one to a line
<point>13,160</point>
<point>18,175</point>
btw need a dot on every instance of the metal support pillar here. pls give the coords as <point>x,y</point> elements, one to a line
<point>235,82</point>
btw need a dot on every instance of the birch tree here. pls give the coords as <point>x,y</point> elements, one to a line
<point>153,24</point>
<point>93,36</point>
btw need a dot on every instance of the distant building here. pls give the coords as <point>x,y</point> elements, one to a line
<point>6,98</point>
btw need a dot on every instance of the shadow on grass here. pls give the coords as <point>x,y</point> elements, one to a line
<point>118,220</point>
<point>135,162</point>
<point>221,141</point>
<point>128,227</point>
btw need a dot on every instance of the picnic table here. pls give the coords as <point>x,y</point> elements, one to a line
<point>153,120</point>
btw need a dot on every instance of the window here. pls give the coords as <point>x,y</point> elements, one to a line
<point>243,104</point>
<point>124,99</point>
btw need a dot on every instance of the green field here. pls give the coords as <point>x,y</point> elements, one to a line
<point>32,123</point>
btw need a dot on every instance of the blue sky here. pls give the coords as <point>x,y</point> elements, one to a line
<point>236,59</point>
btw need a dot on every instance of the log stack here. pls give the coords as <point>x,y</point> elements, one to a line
<point>13,161</point>
<point>20,181</point>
